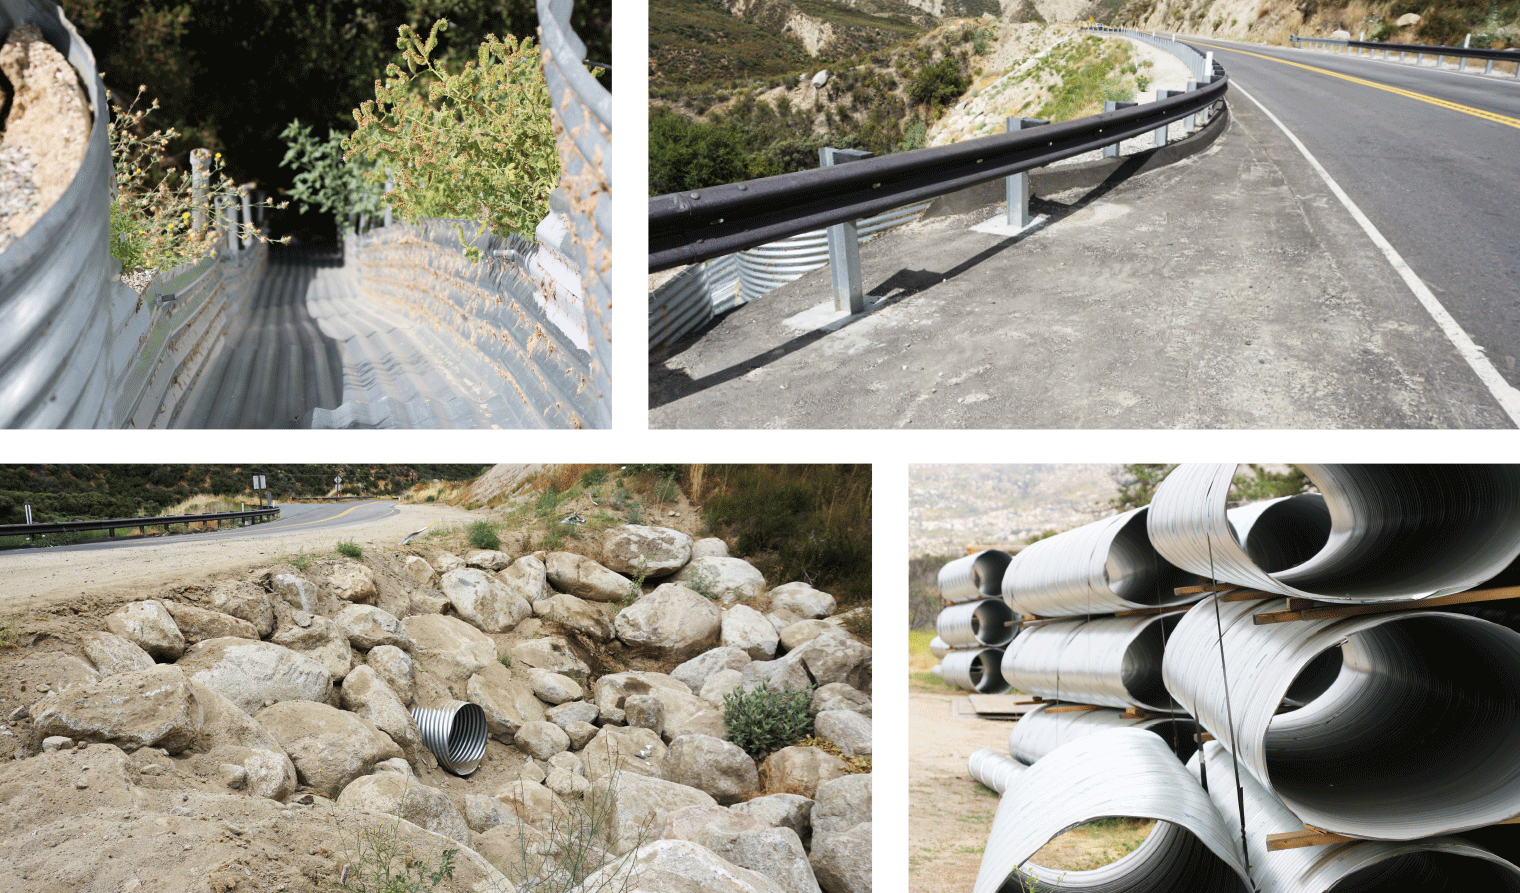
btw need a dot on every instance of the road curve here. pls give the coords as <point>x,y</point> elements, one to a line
<point>1431,157</point>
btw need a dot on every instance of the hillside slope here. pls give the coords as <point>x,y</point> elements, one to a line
<point>1440,22</point>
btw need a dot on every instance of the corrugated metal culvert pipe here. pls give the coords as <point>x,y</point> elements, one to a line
<point>455,731</point>
<point>988,622</point>
<point>973,669</point>
<point>1396,531</point>
<point>1119,772</point>
<point>1433,864</point>
<point>1039,731</point>
<point>1418,735</point>
<point>992,769</point>
<point>1281,533</point>
<point>1110,661</point>
<point>939,647</point>
<point>1097,568</point>
<point>58,281</point>
<point>975,576</point>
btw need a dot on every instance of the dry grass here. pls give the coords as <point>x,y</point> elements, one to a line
<point>1094,845</point>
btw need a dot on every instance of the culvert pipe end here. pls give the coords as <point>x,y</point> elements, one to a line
<point>988,622</point>
<point>975,576</point>
<point>992,769</point>
<point>1039,731</point>
<point>1108,662</point>
<point>455,731</point>
<point>973,669</point>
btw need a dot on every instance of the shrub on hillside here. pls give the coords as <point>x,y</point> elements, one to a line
<point>763,721</point>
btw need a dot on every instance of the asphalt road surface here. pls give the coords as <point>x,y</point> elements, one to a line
<point>293,518</point>
<point>1432,158</point>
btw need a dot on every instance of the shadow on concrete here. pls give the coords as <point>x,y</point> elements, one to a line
<point>668,384</point>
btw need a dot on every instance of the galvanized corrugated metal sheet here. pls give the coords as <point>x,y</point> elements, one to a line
<point>1039,731</point>
<point>1110,661</point>
<point>988,622</point>
<point>1401,698</point>
<point>973,669</point>
<point>58,285</point>
<point>992,769</point>
<point>975,576</point>
<point>1119,772</point>
<point>1281,533</point>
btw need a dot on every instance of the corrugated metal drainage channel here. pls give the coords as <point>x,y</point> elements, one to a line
<point>582,111</point>
<point>455,731</point>
<point>1039,731</point>
<point>690,299</point>
<point>58,286</point>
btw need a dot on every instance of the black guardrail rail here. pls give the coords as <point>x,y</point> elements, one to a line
<point>118,523</point>
<point>1455,52</point>
<point>698,225</point>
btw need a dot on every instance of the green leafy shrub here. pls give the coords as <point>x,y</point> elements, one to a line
<point>594,475</point>
<point>482,535</point>
<point>477,144</point>
<point>763,721</point>
<point>938,84</point>
<point>325,180</point>
<point>349,548</point>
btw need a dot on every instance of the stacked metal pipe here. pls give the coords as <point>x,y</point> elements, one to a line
<point>1108,661</point>
<point>1039,731</point>
<point>975,625</point>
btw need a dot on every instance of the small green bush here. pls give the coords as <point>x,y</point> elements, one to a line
<point>763,721</point>
<point>349,548</point>
<point>482,535</point>
<point>594,475</point>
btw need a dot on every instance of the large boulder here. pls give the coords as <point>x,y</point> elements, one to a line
<point>507,701</point>
<point>836,657</point>
<point>802,600</point>
<point>46,672</point>
<point>199,624</point>
<point>319,639</point>
<point>679,866</point>
<point>395,668</point>
<point>246,600</point>
<point>541,739</point>
<point>533,803</point>
<point>368,697</point>
<point>485,602</point>
<point>842,860</point>
<point>781,811</point>
<point>795,635</point>
<point>352,582</point>
<point>747,629</point>
<point>368,627</point>
<point>590,619</point>
<point>783,674</point>
<point>775,853</point>
<point>408,799</point>
<point>849,730</point>
<point>800,770</point>
<point>550,653</point>
<point>443,562</point>
<point>111,654</point>
<point>255,674</point>
<point>709,547</point>
<point>554,688</point>
<point>526,577</point>
<point>638,805</point>
<point>692,822</point>
<point>329,747</point>
<point>636,550</point>
<point>624,751</point>
<point>584,578</point>
<point>570,712</point>
<point>150,626</point>
<point>713,765</point>
<point>449,648</point>
<point>672,622</point>
<point>677,704</point>
<point>148,708</point>
<point>301,594</point>
<point>727,580</point>
<point>842,803</point>
<point>838,696</point>
<point>696,671</point>
<point>419,571</point>
<point>487,560</point>
<point>230,736</point>
<point>719,686</point>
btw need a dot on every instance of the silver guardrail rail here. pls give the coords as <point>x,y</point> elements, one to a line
<point>1371,48</point>
<point>263,513</point>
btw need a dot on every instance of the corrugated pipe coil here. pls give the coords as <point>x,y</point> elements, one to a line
<point>1097,568</point>
<point>1426,689</point>
<point>988,622</point>
<point>1396,531</point>
<point>1436,863</point>
<point>979,575</point>
<point>992,769</point>
<point>939,647</point>
<point>973,669</point>
<point>1039,731</point>
<point>1110,661</point>
<point>1118,772</point>
<point>455,731</point>
<point>1281,533</point>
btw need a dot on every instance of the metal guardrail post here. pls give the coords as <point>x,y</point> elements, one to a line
<point>1112,149</point>
<point>1160,132</point>
<point>1016,187</point>
<point>1189,122</point>
<point>844,243</point>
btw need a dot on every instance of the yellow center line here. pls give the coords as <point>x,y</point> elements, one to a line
<point>211,533</point>
<point>1408,94</point>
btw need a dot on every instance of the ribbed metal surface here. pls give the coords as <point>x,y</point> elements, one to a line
<point>1110,661</point>
<point>582,110</point>
<point>455,731</point>
<point>939,647</point>
<point>1097,568</point>
<point>59,294</point>
<point>1039,731</point>
<point>988,622</point>
<point>1418,735</point>
<point>1437,863</point>
<point>973,669</point>
<point>975,576</point>
<point>1397,531</point>
<point>993,769</point>
<point>1281,533</point>
<point>1119,772</point>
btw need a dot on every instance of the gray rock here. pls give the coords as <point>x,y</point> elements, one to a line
<point>676,700</point>
<point>581,733</point>
<point>508,701</point>
<point>710,547</point>
<point>692,822</point>
<point>368,697</point>
<point>719,685</point>
<point>55,743</point>
<point>775,853</point>
<point>783,674</point>
<point>149,626</point>
<point>748,630</point>
<point>352,582</point>
<point>634,549</point>
<point>532,803</point>
<point>696,671</point>
<point>672,622</point>
<point>629,751</point>
<point>728,580</point>
<point>568,761</point>
<point>419,571</point>
<point>838,696</point>
<point>541,740</point>
<point>368,627</point>
<point>147,708</point>
<point>488,560</point>
<point>246,600</point>
<point>550,653</point>
<point>842,803</point>
<point>329,747</point>
<point>111,654</point>
<point>584,578</point>
<point>394,667</point>
<point>565,714</point>
<point>795,635</point>
<point>679,866</point>
<point>781,811</point>
<point>483,813</point>
<point>636,804</point>
<point>449,648</point>
<point>405,798</point>
<point>566,783</point>
<point>846,728</point>
<point>842,860</point>
<point>45,672</point>
<point>321,640</point>
<point>590,619</point>
<point>836,657</point>
<point>443,562</point>
<point>483,601</point>
<point>803,600</point>
<point>644,712</point>
<point>709,764</point>
<point>555,688</point>
<point>302,594</point>
<point>255,771</point>
<point>527,577</point>
<point>199,624</point>
<point>800,770</point>
<point>253,674</point>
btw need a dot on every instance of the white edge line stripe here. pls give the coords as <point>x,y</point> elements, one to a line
<point>1507,396</point>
